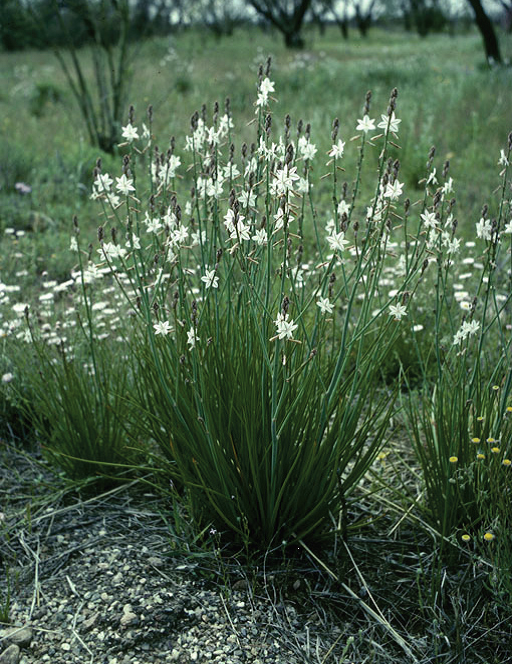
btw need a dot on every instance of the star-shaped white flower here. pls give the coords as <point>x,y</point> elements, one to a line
<point>326,307</point>
<point>285,327</point>
<point>393,191</point>
<point>392,122</point>
<point>130,133</point>
<point>124,185</point>
<point>210,279</point>
<point>366,124</point>
<point>398,311</point>
<point>162,327</point>
<point>337,150</point>
<point>337,241</point>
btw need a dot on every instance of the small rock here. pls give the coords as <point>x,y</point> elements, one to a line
<point>20,636</point>
<point>127,617</point>
<point>10,655</point>
<point>155,561</point>
<point>89,622</point>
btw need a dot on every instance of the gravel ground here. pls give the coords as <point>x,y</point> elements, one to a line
<point>100,581</point>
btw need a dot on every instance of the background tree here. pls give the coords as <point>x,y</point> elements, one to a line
<point>484,24</point>
<point>338,11</point>
<point>219,16</point>
<point>287,16</point>
<point>364,14</point>
<point>106,24</point>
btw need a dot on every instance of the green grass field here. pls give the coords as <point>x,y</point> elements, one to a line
<point>423,412</point>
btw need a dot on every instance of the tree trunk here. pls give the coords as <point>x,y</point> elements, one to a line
<point>293,39</point>
<point>343,26</point>
<point>491,45</point>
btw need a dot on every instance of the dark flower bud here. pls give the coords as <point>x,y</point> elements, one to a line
<point>335,128</point>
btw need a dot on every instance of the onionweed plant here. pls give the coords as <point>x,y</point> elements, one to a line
<point>460,422</point>
<point>76,385</point>
<point>260,330</point>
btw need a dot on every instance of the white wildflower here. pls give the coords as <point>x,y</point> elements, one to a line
<point>467,329</point>
<point>163,328</point>
<point>483,229</point>
<point>337,150</point>
<point>337,241</point>
<point>343,208</point>
<point>432,179</point>
<point>393,191</point>
<point>130,133</point>
<point>124,185</point>
<point>392,122</point>
<point>210,279</point>
<point>365,124</point>
<point>261,237</point>
<point>325,305</point>
<point>285,327</point>
<point>192,338</point>
<point>398,311</point>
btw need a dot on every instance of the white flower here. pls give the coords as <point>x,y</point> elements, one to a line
<point>102,182</point>
<point>429,219</point>
<point>266,87</point>
<point>337,150</point>
<point>230,171</point>
<point>279,218</point>
<point>163,328</point>
<point>210,279</point>
<point>366,124</point>
<point>284,179</point>
<point>247,198</point>
<point>110,251</point>
<point>198,238</point>
<point>508,227</point>
<point>124,185</point>
<point>483,229</point>
<point>192,338</point>
<point>337,241</point>
<point>260,237</point>
<point>73,244</point>
<point>467,330</point>
<point>303,186</point>
<point>393,191</point>
<point>393,122</point>
<point>134,243</point>
<point>397,311</point>
<point>306,149</point>
<point>448,186</point>
<point>325,305</point>
<point>179,235</point>
<point>152,225</point>
<point>212,136</point>
<point>241,231</point>
<point>214,188</point>
<point>432,177</point>
<point>130,133</point>
<point>503,161</point>
<point>285,327</point>
<point>229,220</point>
<point>452,245</point>
<point>7,377</point>
<point>113,199</point>
<point>343,208</point>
